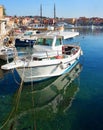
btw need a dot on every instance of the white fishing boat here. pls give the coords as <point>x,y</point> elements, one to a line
<point>6,53</point>
<point>8,50</point>
<point>50,58</point>
<point>41,27</point>
<point>6,43</point>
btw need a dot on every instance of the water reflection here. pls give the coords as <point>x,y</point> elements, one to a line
<point>44,101</point>
<point>87,31</point>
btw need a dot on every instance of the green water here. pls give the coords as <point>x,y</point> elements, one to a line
<point>38,105</point>
<point>68,102</point>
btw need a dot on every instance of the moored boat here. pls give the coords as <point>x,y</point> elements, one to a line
<point>26,39</point>
<point>50,58</point>
<point>7,48</point>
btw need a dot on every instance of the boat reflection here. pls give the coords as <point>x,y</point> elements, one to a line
<point>45,100</point>
<point>51,94</point>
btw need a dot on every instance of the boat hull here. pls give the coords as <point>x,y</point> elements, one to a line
<point>35,74</point>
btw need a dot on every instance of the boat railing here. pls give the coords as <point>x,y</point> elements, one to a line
<point>68,50</point>
<point>56,54</point>
<point>76,43</point>
<point>41,55</point>
<point>26,58</point>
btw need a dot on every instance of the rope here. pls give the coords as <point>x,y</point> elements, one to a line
<point>7,119</point>
<point>17,101</point>
<point>20,89</point>
<point>14,77</point>
<point>34,125</point>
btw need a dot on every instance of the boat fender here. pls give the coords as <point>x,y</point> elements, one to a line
<point>62,65</point>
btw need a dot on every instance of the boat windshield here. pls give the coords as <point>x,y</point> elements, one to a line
<point>44,41</point>
<point>58,42</point>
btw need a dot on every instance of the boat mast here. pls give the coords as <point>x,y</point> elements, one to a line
<point>41,13</point>
<point>54,11</point>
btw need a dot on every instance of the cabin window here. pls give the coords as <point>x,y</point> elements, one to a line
<point>58,42</point>
<point>39,41</point>
<point>44,41</point>
<point>48,42</point>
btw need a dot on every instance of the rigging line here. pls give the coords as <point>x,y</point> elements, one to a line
<point>18,96</point>
<point>8,119</point>
<point>14,77</point>
<point>34,125</point>
<point>20,89</point>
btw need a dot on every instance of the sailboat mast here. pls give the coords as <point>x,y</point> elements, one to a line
<point>41,12</point>
<point>54,11</point>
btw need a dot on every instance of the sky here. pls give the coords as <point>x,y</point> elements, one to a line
<point>64,8</point>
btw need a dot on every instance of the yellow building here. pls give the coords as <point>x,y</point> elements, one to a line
<point>2,22</point>
<point>1,12</point>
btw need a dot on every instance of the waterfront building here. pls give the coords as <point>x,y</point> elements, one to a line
<point>1,12</point>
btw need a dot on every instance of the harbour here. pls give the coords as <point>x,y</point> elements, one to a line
<point>51,65</point>
<point>78,107</point>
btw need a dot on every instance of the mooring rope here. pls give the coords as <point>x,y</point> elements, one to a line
<point>17,101</point>
<point>34,125</point>
<point>12,71</point>
<point>20,89</point>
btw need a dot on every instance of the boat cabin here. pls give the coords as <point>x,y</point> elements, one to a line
<point>49,43</point>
